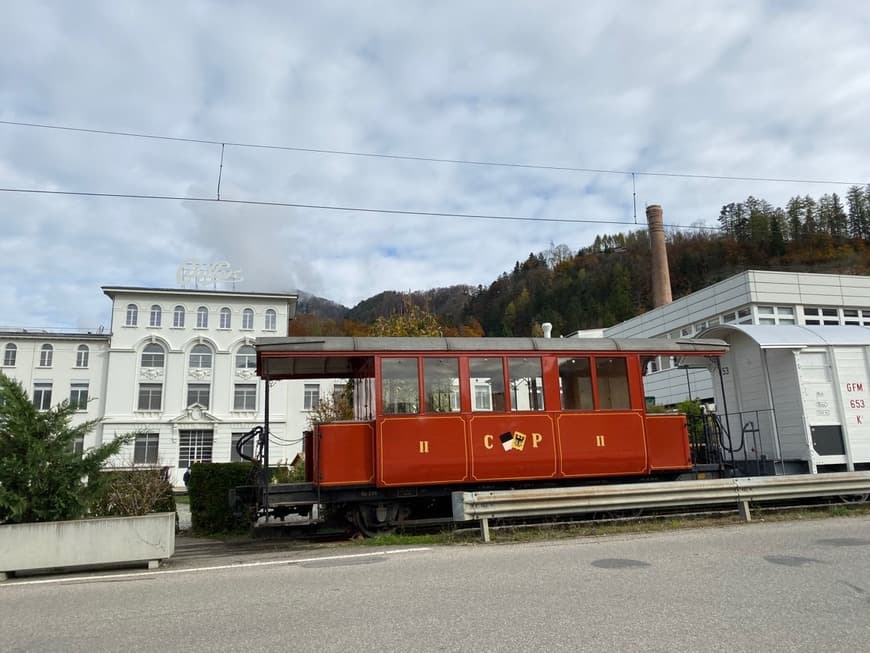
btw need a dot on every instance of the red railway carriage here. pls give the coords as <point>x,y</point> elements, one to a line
<point>434,414</point>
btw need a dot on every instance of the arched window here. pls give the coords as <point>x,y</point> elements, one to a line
<point>9,355</point>
<point>271,322</point>
<point>178,316</point>
<point>226,318</point>
<point>153,355</point>
<point>202,318</point>
<point>82,355</point>
<point>46,353</point>
<point>246,358</point>
<point>132,315</point>
<point>248,318</point>
<point>156,316</point>
<point>200,356</point>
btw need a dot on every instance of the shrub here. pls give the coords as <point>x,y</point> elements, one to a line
<point>42,478</point>
<point>136,491</point>
<point>209,490</point>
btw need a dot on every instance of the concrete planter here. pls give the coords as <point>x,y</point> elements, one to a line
<point>87,542</point>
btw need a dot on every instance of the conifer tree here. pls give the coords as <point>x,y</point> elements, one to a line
<point>42,477</point>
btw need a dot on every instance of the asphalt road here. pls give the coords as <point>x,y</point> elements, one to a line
<point>795,586</point>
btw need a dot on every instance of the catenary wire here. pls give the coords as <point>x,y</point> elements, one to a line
<point>328,207</point>
<point>428,159</point>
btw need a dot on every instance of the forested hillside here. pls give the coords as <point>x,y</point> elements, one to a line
<point>609,281</point>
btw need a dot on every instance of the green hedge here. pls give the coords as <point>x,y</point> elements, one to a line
<point>209,490</point>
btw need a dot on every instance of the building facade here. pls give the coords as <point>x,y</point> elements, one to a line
<point>177,369</point>
<point>751,297</point>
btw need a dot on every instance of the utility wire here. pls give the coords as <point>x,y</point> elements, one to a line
<point>403,157</point>
<point>328,207</point>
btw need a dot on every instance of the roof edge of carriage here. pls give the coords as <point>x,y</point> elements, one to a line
<point>376,345</point>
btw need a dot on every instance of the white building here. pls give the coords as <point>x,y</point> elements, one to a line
<point>177,368</point>
<point>751,297</point>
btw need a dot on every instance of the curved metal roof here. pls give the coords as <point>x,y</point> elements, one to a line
<point>786,336</point>
<point>385,345</point>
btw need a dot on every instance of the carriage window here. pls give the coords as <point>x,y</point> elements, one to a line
<point>487,383</point>
<point>441,385</point>
<point>527,387</point>
<point>612,383</point>
<point>575,383</point>
<point>400,391</point>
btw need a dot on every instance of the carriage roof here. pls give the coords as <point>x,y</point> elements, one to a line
<point>319,357</point>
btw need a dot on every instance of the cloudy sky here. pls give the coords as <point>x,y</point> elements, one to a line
<point>777,90</point>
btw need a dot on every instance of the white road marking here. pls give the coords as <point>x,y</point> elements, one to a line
<point>240,565</point>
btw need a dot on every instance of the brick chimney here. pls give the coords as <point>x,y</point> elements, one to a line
<point>661,278</point>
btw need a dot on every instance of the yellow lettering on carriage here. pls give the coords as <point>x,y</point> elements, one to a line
<point>487,441</point>
<point>536,439</point>
<point>424,446</point>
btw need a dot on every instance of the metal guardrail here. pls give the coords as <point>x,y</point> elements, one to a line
<point>506,504</point>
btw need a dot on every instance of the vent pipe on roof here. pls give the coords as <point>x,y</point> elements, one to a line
<point>547,328</point>
<point>661,278</point>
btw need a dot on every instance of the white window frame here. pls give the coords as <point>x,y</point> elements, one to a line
<point>155,390</point>
<point>46,355</point>
<point>155,358</point>
<point>311,396</point>
<point>195,446</point>
<point>245,396</point>
<point>226,318</point>
<point>78,396</point>
<point>195,393</point>
<point>270,320</point>
<point>248,319</point>
<point>201,357</point>
<point>202,317</point>
<point>246,358</point>
<point>42,395</point>
<point>132,318</point>
<point>10,354</point>
<point>178,314</point>
<point>83,353</point>
<point>248,449</point>
<point>146,449</point>
<point>156,317</point>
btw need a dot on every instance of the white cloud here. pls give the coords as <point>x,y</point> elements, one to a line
<point>735,89</point>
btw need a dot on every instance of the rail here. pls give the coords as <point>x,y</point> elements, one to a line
<point>507,504</point>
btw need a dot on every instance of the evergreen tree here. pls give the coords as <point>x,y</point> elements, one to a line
<point>859,212</point>
<point>42,478</point>
<point>794,210</point>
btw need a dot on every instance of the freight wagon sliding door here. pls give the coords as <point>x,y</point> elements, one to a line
<point>821,407</point>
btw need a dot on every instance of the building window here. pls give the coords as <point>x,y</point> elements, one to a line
<point>153,355</point>
<point>42,396</point>
<point>150,396</point>
<point>247,448</point>
<point>82,355</point>
<point>132,315</point>
<point>526,384</point>
<point>198,393</point>
<point>78,396</point>
<point>271,321</point>
<point>246,358</point>
<point>202,318</point>
<point>78,445</point>
<point>178,316</point>
<point>156,316</point>
<point>200,356</point>
<point>856,316</point>
<point>46,353</point>
<point>440,385</point>
<point>245,396</point>
<point>9,355</point>
<point>487,383</point>
<point>194,447</point>
<point>226,318</point>
<point>145,449</point>
<point>815,316</point>
<point>248,318</point>
<point>311,398</point>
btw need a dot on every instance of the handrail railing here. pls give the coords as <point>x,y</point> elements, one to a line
<point>506,504</point>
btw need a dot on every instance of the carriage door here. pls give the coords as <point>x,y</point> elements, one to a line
<point>821,407</point>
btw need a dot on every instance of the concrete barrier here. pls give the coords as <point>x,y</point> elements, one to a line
<point>87,542</point>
